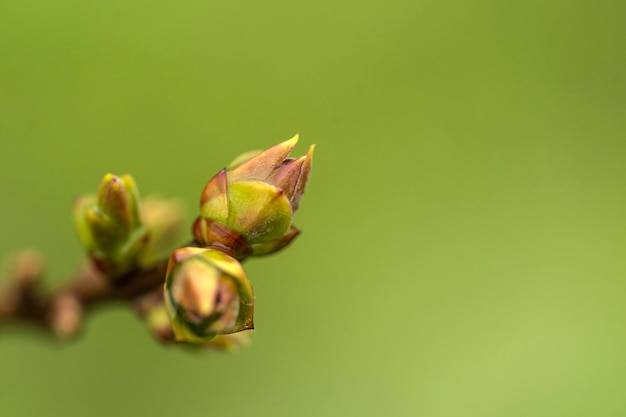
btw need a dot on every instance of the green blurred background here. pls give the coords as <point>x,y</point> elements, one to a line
<point>464,225</point>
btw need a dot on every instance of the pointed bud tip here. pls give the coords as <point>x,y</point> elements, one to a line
<point>283,149</point>
<point>108,177</point>
<point>119,181</point>
<point>216,186</point>
<point>262,165</point>
<point>116,184</point>
<point>291,142</point>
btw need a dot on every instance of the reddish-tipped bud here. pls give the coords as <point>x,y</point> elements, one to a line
<point>248,208</point>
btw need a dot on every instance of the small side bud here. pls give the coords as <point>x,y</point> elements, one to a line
<point>207,293</point>
<point>26,267</point>
<point>66,316</point>
<point>151,308</point>
<point>110,227</point>
<point>24,273</point>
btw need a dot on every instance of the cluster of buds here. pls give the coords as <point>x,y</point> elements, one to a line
<point>245,210</point>
<point>120,232</point>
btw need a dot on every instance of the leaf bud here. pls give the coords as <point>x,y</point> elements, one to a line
<point>207,293</point>
<point>110,227</point>
<point>248,207</point>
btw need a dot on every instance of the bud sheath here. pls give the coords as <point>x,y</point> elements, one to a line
<point>207,293</point>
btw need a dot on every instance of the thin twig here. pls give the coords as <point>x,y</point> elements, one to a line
<point>57,310</point>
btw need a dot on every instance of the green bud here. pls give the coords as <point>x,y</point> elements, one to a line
<point>207,293</point>
<point>151,308</point>
<point>253,201</point>
<point>110,227</point>
<point>118,198</point>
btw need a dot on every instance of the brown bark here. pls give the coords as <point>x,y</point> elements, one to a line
<point>61,310</point>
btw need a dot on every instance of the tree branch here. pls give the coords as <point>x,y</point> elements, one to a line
<point>60,311</point>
